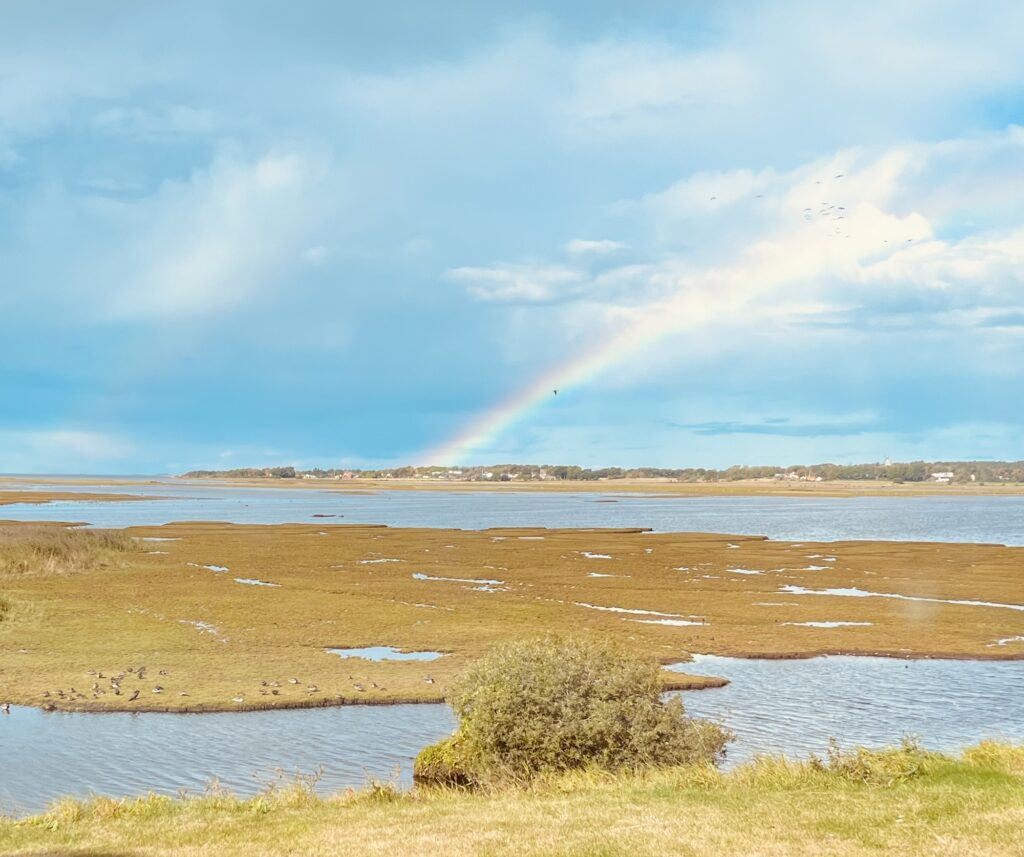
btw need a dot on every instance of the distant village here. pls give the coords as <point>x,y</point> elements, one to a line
<point>945,472</point>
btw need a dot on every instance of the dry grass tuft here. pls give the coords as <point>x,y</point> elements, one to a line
<point>49,550</point>
<point>996,756</point>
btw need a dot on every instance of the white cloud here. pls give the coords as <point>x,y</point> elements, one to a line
<point>582,246</point>
<point>156,124</point>
<point>518,283</point>
<point>973,271</point>
<point>849,237</point>
<point>315,255</point>
<point>59,450</point>
<point>635,86</point>
<point>211,242</point>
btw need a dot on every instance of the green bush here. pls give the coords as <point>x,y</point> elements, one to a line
<point>563,704</point>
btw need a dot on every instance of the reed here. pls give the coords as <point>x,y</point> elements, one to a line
<point>49,549</point>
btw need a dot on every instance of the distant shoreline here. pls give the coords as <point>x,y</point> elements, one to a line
<point>626,486</point>
<point>656,487</point>
<point>834,489</point>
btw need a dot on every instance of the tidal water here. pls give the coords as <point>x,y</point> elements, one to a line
<point>791,707</point>
<point>945,519</point>
<point>795,706</point>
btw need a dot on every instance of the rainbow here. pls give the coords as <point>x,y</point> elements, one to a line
<point>700,298</point>
<point>642,329</point>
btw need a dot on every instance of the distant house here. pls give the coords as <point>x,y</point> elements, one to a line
<point>943,476</point>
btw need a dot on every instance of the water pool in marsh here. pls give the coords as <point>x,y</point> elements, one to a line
<point>785,706</point>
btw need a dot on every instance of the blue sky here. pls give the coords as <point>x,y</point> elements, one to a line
<point>338,234</point>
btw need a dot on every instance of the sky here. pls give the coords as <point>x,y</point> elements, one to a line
<point>345,234</point>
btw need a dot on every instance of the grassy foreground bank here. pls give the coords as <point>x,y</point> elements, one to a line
<point>898,802</point>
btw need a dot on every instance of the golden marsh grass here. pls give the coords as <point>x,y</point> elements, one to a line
<point>212,643</point>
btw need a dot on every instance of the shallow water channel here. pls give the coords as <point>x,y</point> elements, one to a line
<point>940,518</point>
<point>790,707</point>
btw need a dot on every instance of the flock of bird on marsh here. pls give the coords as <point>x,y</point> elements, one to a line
<point>139,674</point>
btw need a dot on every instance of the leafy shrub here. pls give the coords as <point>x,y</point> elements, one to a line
<point>562,704</point>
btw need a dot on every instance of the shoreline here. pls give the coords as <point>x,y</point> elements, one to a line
<point>649,487</point>
<point>686,682</point>
<point>44,498</point>
<point>653,487</point>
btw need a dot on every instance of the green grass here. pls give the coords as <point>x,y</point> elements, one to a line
<point>902,801</point>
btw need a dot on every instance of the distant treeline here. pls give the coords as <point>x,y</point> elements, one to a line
<point>246,473</point>
<point>913,471</point>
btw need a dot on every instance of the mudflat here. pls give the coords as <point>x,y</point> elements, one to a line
<point>8,498</point>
